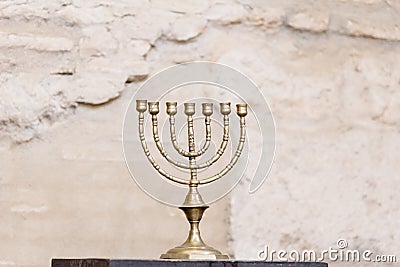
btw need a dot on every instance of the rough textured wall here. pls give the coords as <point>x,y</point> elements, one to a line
<point>330,70</point>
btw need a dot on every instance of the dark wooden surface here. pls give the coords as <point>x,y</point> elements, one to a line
<point>177,263</point>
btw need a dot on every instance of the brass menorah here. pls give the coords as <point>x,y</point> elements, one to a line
<point>193,205</point>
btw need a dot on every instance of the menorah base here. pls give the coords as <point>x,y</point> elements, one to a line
<point>194,248</point>
<point>194,253</point>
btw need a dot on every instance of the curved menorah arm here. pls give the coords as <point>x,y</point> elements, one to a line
<point>219,153</point>
<point>173,137</point>
<point>141,111</point>
<point>207,112</point>
<point>160,147</point>
<point>206,164</point>
<point>181,150</point>
<point>221,149</point>
<point>225,109</point>
<point>171,109</point>
<point>207,122</point>
<point>242,112</point>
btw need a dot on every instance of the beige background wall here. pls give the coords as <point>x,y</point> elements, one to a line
<point>330,70</point>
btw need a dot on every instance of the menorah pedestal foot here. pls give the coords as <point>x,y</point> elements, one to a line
<point>194,248</point>
<point>194,253</point>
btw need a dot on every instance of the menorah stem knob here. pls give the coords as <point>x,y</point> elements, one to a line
<point>193,198</point>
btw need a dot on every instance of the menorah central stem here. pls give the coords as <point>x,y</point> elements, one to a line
<point>192,148</point>
<point>189,111</point>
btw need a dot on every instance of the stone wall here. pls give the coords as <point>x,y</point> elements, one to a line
<point>330,70</point>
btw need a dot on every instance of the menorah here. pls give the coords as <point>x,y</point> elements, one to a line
<point>193,205</point>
